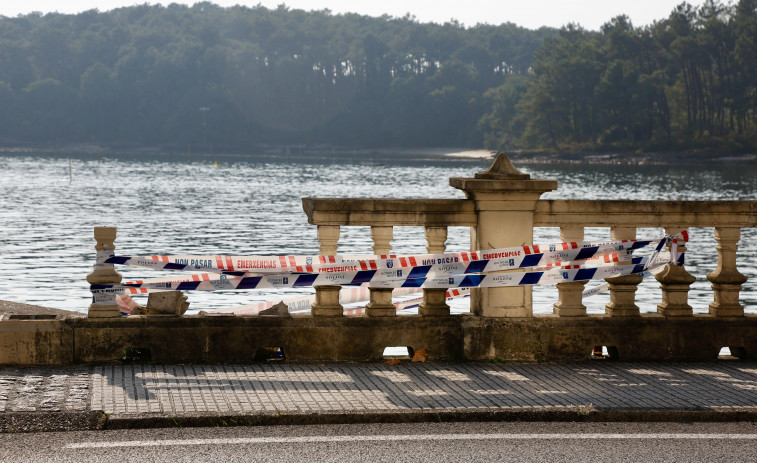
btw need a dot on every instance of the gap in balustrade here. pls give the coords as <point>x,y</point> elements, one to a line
<point>355,241</point>
<point>701,259</point>
<point>746,261</point>
<point>545,296</point>
<point>648,293</point>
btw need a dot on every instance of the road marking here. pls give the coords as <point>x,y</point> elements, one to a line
<point>403,437</point>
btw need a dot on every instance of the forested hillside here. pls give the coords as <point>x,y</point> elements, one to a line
<point>234,78</point>
<point>206,77</point>
<point>687,82</point>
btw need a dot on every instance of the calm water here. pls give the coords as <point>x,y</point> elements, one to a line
<point>49,206</point>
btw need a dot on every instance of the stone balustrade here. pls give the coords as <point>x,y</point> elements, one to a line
<point>503,207</point>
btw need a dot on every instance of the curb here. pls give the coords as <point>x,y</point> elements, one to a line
<point>16,422</point>
<point>13,422</point>
<point>570,414</point>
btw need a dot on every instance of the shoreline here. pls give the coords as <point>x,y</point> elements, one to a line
<point>305,153</point>
<point>669,158</point>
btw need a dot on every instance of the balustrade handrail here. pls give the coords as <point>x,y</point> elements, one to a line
<point>654,213</point>
<point>389,212</point>
<point>548,213</point>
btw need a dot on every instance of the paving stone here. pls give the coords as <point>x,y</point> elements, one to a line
<point>176,390</point>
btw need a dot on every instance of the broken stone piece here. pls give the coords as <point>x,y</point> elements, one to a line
<point>167,303</point>
<point>280,310</point>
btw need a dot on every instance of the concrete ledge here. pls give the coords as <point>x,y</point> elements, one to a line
<point>241,339</point>
<point>197,339</point>
<point>35,340</point>
<point>648,337</point>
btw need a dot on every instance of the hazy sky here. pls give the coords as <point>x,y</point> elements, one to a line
<point>527,13</point>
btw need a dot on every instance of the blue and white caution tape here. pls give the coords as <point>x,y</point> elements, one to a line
<point>507,279</point>
<point>357,294</point>
<point>209,281</point>
<point>424,264</point>
<point>396,278</point>
<point>358,277</point>
<point>550,264</point>
<point>157,284</point>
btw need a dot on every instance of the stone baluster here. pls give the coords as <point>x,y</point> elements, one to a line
<point>103,304</point>
<point>435,300</point>
<point>327,297</point>
<point>570,302</point>
<point>726,279</point>
<point>623,288</point>
<point>380,304</point>
<point>675,282</point>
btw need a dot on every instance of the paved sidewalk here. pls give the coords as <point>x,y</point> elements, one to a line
<point>134,395</point>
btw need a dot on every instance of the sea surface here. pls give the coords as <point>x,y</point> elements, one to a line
<point>251,205</point>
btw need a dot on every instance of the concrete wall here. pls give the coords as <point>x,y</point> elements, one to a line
<point>647,337</point>
<point>30,340</point>
<point>215,339</point>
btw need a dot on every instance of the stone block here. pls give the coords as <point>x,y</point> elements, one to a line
<point>29,340</point>
<point>167,302</point>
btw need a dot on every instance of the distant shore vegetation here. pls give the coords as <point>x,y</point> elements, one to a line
<point>207,77</point>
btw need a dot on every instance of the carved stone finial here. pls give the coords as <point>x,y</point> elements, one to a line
<point>502,169</point>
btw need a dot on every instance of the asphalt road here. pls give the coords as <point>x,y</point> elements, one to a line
<point>427,442</point>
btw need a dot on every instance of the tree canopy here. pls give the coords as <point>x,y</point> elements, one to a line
<point>239,78</point>
<point>688,81</point>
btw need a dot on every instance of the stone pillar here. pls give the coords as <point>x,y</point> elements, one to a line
<point>505,201</point>
<point>380,304</point>
<point>327,297</point>
<point>675,282</point>
<point>104,305</point>
<point>623,289</point>
<point>726,279</point>
<point>435,299</point>
<point>570,302</point>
